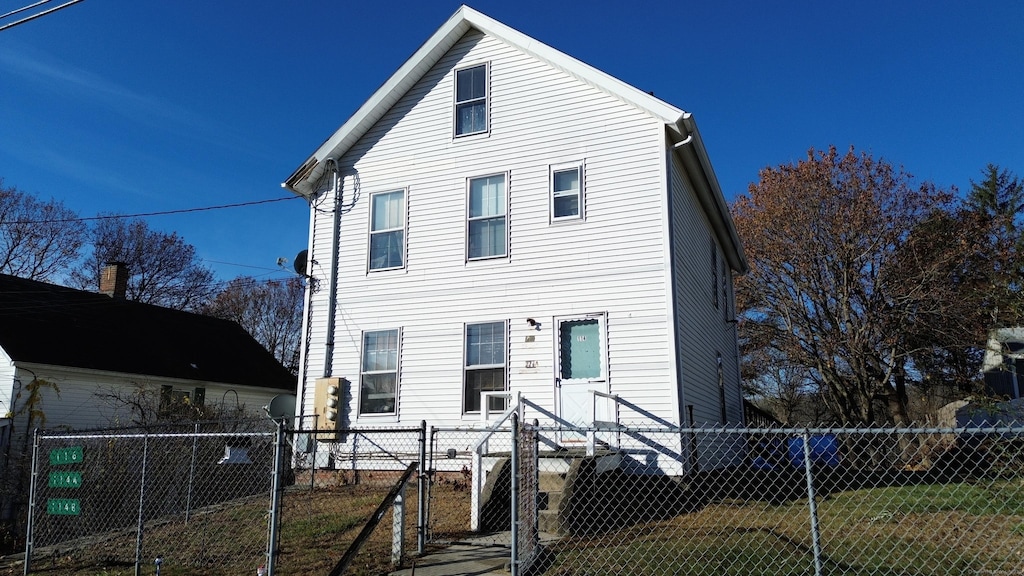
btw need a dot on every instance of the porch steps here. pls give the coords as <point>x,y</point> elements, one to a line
<point>560,474</point>
<point>557,479</point>
<point>551,488</point>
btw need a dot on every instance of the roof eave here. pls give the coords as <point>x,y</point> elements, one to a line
<point>302,180</point>
<point>712,198</point>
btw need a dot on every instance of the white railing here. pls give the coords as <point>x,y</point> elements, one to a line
<point>603,430</point>
<point>606,418</point>
<point>480,448</point>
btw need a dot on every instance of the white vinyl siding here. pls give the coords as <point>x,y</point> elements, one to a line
<point>99,391</point>
<point>703,332</point>
<point>7,372</point>
<point>539,117</point>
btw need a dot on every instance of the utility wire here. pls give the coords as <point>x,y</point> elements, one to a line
<point>34,16</point>
<point>145,214</point>
<point>23,8</point>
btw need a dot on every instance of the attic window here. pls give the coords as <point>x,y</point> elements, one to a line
<point>471,100</point>
<point>566,192</point>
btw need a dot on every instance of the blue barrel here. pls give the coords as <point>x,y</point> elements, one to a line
<point>824,450</point>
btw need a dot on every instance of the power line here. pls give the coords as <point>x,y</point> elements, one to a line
<point>245,265</point>
<point>147,214</point>
<point>33,16</point>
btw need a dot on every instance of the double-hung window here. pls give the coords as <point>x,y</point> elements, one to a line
<point>486,229</point>
<point>471,100</point>
<point>485,365</point>
<point>566,192</point>
<point>387,230</point>
<point>378,376</point>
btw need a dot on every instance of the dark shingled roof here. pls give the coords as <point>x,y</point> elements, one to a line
<point>48,324</point>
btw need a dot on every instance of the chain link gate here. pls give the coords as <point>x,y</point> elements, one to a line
<point>526,491</point>
<point>341,476</point>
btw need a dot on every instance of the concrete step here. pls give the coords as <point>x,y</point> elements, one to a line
<point>547,521</point>
<point>549,500</point>
<point>554,464</point>
<point>551,481</point>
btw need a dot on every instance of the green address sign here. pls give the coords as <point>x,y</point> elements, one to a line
<point>63,507</point>
<point>65,480</point>
<point>72,455</point>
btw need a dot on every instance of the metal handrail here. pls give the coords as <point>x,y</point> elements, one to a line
<point>490,430</point>
<point>593,406</point>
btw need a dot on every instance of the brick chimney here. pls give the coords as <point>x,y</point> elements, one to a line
<point>114,279</point>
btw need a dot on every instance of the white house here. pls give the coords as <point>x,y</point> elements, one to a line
<point>499,216</point>
<point>80,351</point>
<point>1003,363</point>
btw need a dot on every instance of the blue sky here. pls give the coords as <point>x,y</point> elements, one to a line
<point>133,107</point>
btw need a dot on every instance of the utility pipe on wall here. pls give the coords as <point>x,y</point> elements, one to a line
<point>332,292</point>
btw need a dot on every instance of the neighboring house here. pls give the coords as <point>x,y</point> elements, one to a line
<point>500,216</point>
<point>1003,363</point>
<point>90,346</point>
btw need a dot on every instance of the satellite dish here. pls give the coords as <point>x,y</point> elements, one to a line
<point>301,260</point>
<point>281,406</point>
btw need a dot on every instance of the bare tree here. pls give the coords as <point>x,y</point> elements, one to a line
<point>163,269</point>
<point>38,240</point>
<point>270,311</point>
<point>146,404</point>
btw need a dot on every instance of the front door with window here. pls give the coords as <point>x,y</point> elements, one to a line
<point>581,368</point>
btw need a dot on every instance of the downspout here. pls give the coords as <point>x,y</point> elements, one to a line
<point>683,142</point>
<point>677,329</point>
<point>332,296</point>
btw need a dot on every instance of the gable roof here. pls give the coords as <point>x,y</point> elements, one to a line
<point>680,124</point>
<point>44,323</point>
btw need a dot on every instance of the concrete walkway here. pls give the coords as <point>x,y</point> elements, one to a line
<point>461,560</point>
<point>485,556</point>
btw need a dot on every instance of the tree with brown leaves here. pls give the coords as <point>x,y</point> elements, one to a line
<point>865,280</point>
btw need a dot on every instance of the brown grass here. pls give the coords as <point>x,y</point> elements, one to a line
<point>317,527</point>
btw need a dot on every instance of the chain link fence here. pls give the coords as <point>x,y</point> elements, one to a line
<point>340,479</point>
<point>185,500</point>
<point>583,501</point>
<point>777,501</point>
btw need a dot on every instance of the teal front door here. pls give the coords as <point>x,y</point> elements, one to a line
<point>581,368</point>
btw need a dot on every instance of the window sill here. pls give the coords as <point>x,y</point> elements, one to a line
<point>384,271</point>
<point>567,221</point>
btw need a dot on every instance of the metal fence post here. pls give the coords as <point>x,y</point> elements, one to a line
<point>191,475</point>
<point>142,501</point>
<point>398,527</point>
<point>421,495</point>
<point>811,503</point>
<point>275,497</point>
<point>477,487</point>
<point>515,495</point>
<point>31,500</point>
